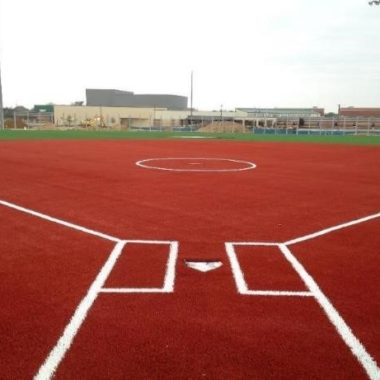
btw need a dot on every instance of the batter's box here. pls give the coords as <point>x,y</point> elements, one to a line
<point>144,266</point>
<point>261,269</point>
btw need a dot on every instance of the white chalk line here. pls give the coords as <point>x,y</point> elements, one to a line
<point>241,284</point>
<point>332,229</point>
<point>358,350</point>
<point>237,273</point>
<point>254,243</point>
<point>142,164</point>
<point>354,344</point>
<point>59,221</point>
<point>277,293</point>
<point>169,279</point>
<point>170,268</point>
<point>133,290</point>
<point>63,344</point>
<point>57,354</point>
<point>55,357</point>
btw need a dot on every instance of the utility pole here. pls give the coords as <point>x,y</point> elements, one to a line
<point>191,95</point>
<point>191,100</point>
<point>1,105</point>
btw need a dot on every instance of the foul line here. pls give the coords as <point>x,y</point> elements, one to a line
<point>57,354</point>
<point>59,221</point>
<point>331,229</point>
<point>356,347</point>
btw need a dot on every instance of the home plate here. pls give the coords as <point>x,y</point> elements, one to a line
<point>203,266</point>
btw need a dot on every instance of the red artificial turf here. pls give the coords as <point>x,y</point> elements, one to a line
<point>45,272</point>
<point>295,189</point>
<point>203,329</point>
<point>265,268</point>
<point>140,265</point>
<point>346,265</point>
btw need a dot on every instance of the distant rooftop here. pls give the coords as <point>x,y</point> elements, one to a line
<point>119,98</point>
<point>285,111</point>
<point>359,111</point>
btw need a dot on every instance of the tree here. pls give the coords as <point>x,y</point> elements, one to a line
<point>331,114</point>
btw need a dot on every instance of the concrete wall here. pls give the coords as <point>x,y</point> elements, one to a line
<point>117,98</point>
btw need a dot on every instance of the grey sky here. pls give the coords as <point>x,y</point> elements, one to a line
<point>244,53</point>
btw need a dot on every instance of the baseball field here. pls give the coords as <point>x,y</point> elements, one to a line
<point>180,256</point>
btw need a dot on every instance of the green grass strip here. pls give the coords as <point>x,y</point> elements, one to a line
<point>119,135</point>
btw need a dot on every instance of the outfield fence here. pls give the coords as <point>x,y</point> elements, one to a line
<point>278,126</point>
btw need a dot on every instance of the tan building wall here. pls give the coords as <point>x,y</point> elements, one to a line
<point>128,117</point>
<point>108,116</point>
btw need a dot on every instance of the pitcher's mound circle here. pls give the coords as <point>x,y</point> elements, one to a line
<point>197,164</point>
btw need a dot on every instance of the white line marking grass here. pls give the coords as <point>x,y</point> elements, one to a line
<point>59,221</point>
<point>331,229</point>
<point>57,354</point>
<point>356,347</point>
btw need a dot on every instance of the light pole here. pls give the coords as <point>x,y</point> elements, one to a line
<point>191,95</point>
<point>1,105</point>
<point>191,101</point>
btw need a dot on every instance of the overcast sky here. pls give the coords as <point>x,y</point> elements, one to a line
<point>244,53</point>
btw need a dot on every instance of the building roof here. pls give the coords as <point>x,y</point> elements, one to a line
<point>119,98</point>
<point>299,112</point>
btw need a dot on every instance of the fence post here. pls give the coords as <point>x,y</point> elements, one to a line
<point>368,129</point>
